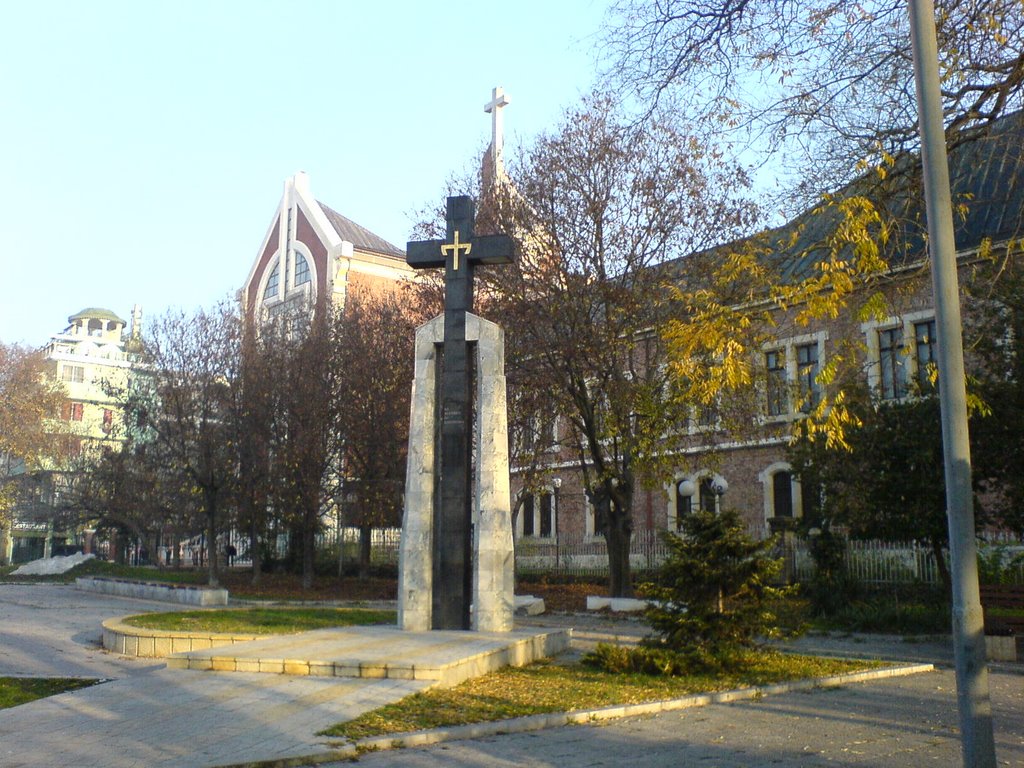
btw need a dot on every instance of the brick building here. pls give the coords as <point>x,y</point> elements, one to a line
<point>750,473</point>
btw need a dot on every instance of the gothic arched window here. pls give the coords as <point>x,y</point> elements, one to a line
<point>270,292</point>
<point>301,270</point>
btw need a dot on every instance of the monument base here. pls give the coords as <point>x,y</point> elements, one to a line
<point>493,566</point>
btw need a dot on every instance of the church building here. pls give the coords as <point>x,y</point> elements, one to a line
<point>311,253</point>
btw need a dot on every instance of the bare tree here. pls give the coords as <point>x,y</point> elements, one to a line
<point>599,207</point>
<point>182,406</point>
<point>253,422</point>
<point>830,84</point>
<point>372,349</point>
<point>303,421</point>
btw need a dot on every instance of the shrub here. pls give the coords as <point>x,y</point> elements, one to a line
<point>831,587</point>
<point>714,593</point>
<point>650,660</point>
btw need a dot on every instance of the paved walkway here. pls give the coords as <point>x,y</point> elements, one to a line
<point>152,716</point>
<point>906,722</point>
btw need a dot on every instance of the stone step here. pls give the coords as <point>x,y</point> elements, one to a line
<point>443,657</point>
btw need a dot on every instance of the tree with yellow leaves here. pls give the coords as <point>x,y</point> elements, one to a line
<point>30,403</point>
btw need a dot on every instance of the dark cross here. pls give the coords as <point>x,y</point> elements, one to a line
<point>458,253</point>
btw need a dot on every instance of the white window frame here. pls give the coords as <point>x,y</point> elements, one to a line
<point>548,490</point>
<point>789,346</point>
<point>767,479</point>
<point>275,261</point>
<point>905,322</point>
<point>307,287</point>
<point>672,492</point>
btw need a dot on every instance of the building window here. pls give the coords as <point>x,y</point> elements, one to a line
<point>538,434</point>
<point>301,270</point>
<point>273,282</point>
<point>807,376</point>
<point>546,515</point>
<point>538,514</point>
<point>706,416</point>
<point>72,411</point>
<point>690,494</point>
<point>782,494</point>
<point>925,354</point>
<point>108,420</point>
<point>73,373</point>
<point>781,491</point>
<point>777,387</point>
<point>892,374</point>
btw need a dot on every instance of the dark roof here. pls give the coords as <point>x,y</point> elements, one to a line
<point>360,237</point>
<point>986,177</point>
<point>986,181</point>
<point>95,313</point>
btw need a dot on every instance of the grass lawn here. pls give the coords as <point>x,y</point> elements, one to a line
<point>552,687</point>
<point>96,567</point>
<point>21,690</point>
<point>261,621</point>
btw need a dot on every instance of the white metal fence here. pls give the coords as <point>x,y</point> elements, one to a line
<point>581,556</point>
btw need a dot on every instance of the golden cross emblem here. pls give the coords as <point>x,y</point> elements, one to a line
<point>454,249</point>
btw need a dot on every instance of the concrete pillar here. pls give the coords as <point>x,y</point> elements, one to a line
<point>493,576</point>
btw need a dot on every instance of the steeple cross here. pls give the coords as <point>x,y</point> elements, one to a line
<point>493,107</point>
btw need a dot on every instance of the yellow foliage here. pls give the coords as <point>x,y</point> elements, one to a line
<point>715,343</point>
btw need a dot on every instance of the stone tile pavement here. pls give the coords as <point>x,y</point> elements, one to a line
<point>187,718</point>
<point>147,715</point>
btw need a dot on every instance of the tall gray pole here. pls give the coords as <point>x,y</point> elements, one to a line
<point>968,624</point>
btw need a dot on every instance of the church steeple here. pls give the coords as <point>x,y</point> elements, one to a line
<point>495,169</point>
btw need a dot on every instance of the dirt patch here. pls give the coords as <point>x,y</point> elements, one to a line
<point>286,586</point>
<point>558,598</point>
<point>561,598</point>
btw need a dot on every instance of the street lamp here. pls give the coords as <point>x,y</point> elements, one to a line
<point>719,485</point>
<point>556,484</point>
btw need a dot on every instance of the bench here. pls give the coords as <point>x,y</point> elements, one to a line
<point>1008,596</point>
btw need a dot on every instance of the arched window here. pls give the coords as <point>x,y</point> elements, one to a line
<point>707,495</point>
<point>273,282</point>
<point>537,514</point>
<point>301,270</point>
<point>782,494</point>
<point>687,494</point>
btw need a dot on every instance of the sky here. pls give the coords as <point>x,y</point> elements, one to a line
<point>144,145</point>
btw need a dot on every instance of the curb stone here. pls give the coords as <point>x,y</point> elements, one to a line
<point>559,719</point>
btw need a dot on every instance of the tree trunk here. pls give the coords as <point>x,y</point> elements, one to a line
<point>254,550</point>
<point>617,538</point>
<point>365,545</point>
<point>213,577</point>
<point>308,551</point>
<point>940,563</point>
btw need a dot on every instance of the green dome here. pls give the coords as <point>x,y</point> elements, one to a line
<point>95,313</point>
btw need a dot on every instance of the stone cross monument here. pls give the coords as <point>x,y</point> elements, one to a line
<point>456,541</point>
